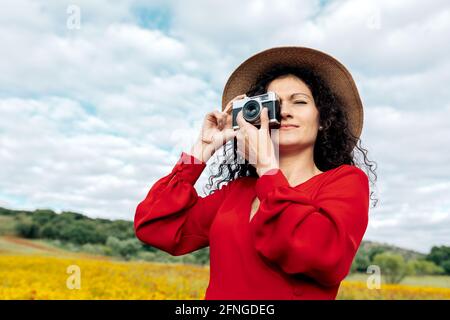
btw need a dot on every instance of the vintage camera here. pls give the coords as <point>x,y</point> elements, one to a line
<point>252,107</point>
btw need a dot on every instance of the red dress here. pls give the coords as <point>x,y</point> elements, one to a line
<point>299,245</point>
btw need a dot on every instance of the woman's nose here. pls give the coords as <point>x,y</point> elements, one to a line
<point>284,110</point>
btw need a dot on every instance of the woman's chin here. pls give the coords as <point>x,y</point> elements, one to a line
<point>287,145</point>
<point>287,142</point>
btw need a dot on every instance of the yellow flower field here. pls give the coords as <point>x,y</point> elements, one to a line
<point>36,277</point>
<point>358,290</point>
<point>45,277</point>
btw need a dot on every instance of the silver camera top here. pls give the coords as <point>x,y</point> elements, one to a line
<point>270,95</point>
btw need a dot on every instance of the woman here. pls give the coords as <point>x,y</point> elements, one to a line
<point>288,224</point>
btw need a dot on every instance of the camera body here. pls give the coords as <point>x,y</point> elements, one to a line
<point>252,107</point>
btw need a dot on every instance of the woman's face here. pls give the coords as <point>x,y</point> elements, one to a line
<point>297,108</point>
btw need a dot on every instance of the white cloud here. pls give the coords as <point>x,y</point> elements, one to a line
<point>91,61</point>
<point>52,160</point>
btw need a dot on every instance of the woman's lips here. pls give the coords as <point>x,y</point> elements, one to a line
<point>288,127</point>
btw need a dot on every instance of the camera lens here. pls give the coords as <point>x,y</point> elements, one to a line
<point>251,110</point>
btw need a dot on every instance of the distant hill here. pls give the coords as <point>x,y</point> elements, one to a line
<point>82,230</point>
<point>408,254</point>
<point>76,232</point>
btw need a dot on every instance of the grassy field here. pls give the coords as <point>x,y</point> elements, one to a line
<point>36,270</point>
<point>6,225</point>
<point>11,244</point>
<point>421,281</point>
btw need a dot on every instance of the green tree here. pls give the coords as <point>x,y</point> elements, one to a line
<point>393,266</point>
<point>42,217</point>
<point>423,267</point>
<point>123,248</point>
<point>50,231</point>
<point>80,232</point>
<point>120,229</point>
<point>27,229</point>
<point>446,266</point>
<point>374,251</point>
<point>361,261</point>
<point>201,256</point>
<point>440,255</point>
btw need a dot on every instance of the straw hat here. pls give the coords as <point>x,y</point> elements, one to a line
<point>335,75</point>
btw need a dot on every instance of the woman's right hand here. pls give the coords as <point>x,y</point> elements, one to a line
<point>216,131</point>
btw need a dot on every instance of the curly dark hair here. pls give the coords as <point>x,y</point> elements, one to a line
<point>334,146</point>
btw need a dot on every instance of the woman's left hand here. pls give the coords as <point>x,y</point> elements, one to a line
<point>255,144</point>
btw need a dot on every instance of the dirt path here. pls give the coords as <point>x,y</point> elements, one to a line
<point>29,244</point>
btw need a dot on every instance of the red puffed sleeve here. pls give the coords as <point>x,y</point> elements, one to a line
<point>315,236</point>
<point>173,217</point>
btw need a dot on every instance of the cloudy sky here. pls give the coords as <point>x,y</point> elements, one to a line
<point>91,115</point>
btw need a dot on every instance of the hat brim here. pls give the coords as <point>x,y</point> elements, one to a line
<point>335,75</point>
